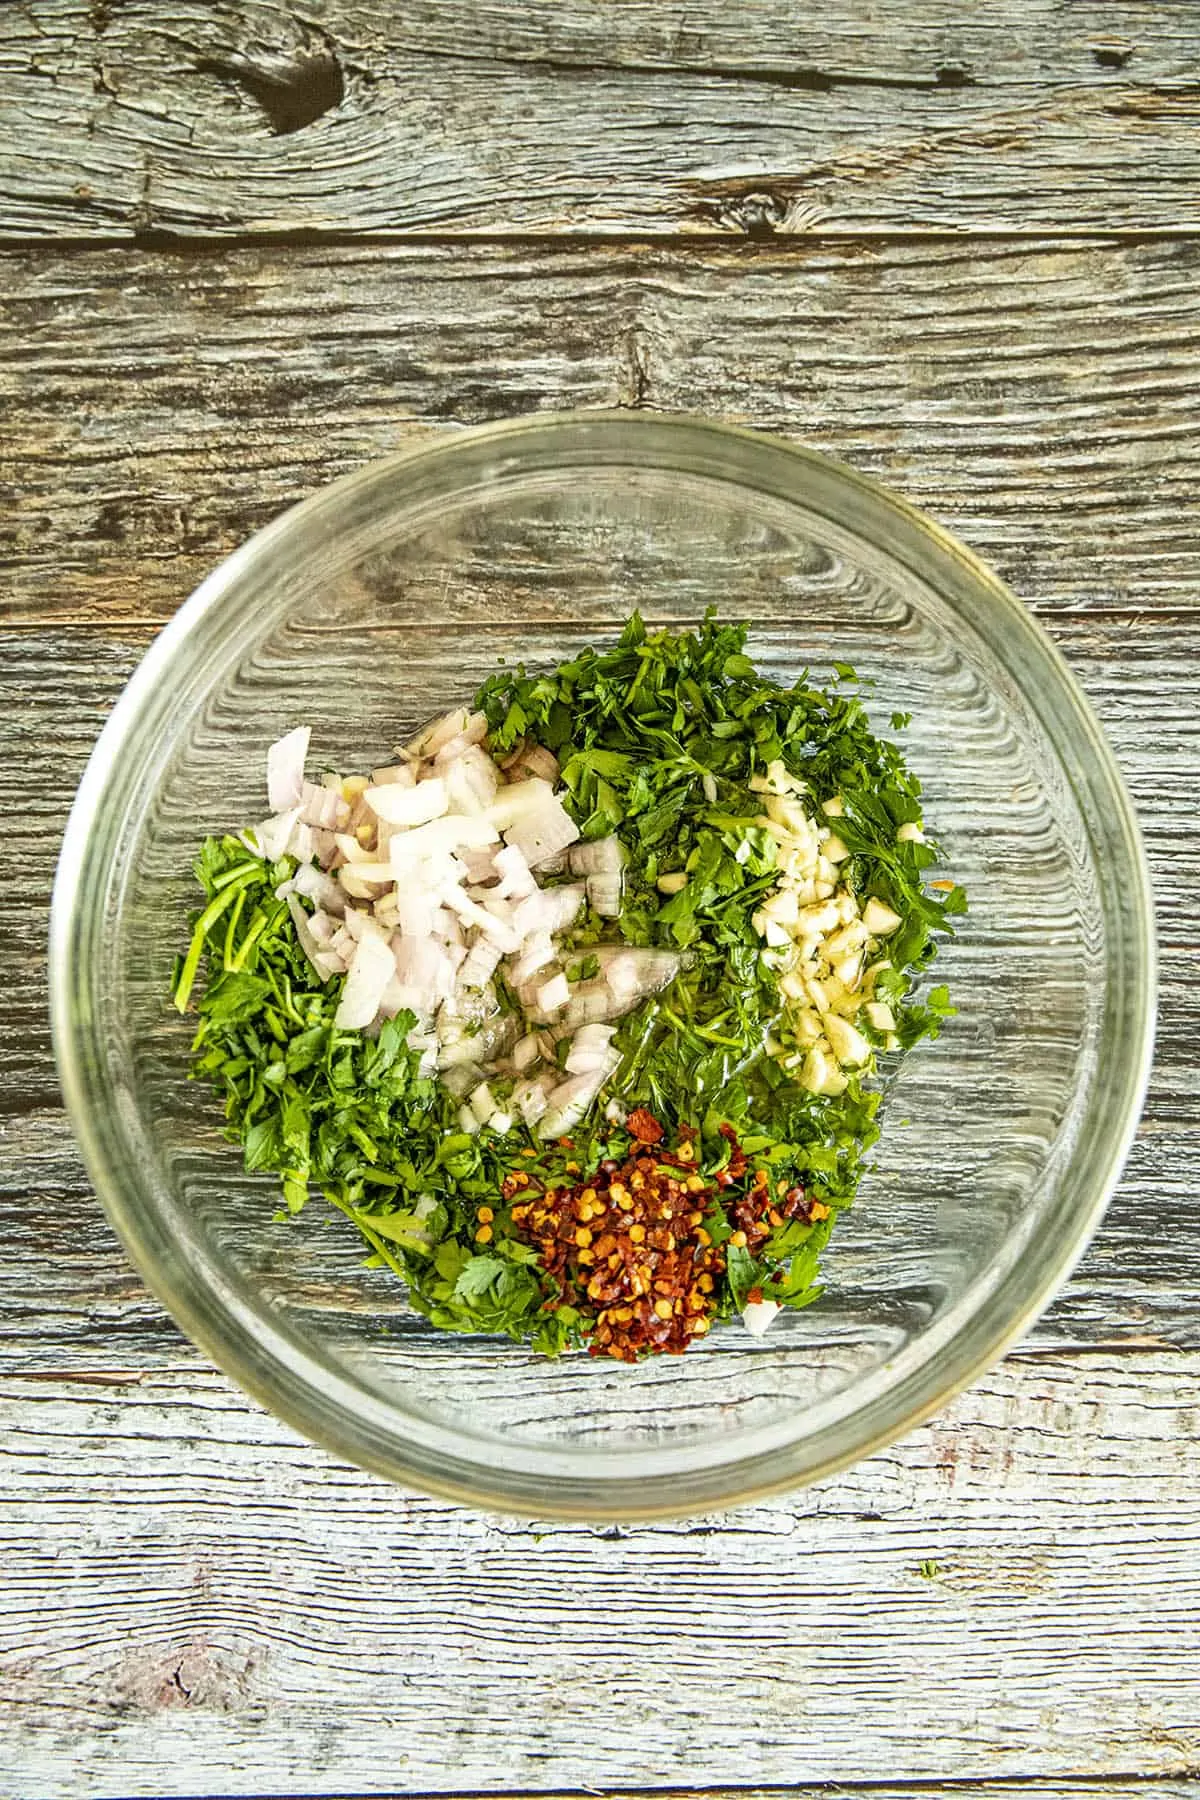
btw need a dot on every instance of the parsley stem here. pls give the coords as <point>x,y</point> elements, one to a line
<point>231,928</point>
<point>714,1037</point>
<point>376,1242</point>
<point>261,923</point>
<point>241,873</point>
<point>204,924</point>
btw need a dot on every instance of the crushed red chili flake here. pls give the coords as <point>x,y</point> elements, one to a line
<point>628,1246</point>
<point>644,1127</point>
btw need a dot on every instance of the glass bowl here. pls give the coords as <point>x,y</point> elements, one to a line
<point>382,601</point>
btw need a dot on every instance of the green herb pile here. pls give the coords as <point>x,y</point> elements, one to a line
<point>658,739</point>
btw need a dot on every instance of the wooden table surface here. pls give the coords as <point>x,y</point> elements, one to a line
<point>246,247</point>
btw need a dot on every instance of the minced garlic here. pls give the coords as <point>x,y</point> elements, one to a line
<point>821,943</point>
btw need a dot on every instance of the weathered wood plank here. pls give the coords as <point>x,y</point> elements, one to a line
<point>170,1551</point>
<point>893,43</point>
<point>248,117</point>
<point>1039,401</point>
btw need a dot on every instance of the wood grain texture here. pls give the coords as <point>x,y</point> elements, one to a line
<point>118,121</point>
<point>1040,401</point>
<point>181,1570</point>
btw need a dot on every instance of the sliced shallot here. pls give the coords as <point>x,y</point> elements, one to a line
<point>602,856</point>
<point>285,769</point>
<point>315,952</point>
<point>369,974</point>
<point>403,805</point>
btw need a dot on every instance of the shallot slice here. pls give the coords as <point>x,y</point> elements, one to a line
<point>530,1100</point>
<point>471,780</point>
<point>533,818</point>
<point>759,1315</point>
<point>590,1049</point>
<point>569,1101</point>
<point>602,856</point>
<point>480,964</point>
<point>485,1045</point>
<point>516,877</point>
<point>370,972</point>
<point>321,926</point>
<point>497,929</point>
<point>402,805</point>
<point>324,846</point>
<point>453,724</point>
<point>554,994</point>
<point>592,1002</point>
<point>314,884</point>
<point>537,760</point>
<point>604,895</point>
<point>437,838</point>
<point>480,866</point>
<point>308,942</point>
<point>482,1102</point>
<point>536,952</point>
<point>420,965</point>
<point>323,807</point>
<point>549,909</point>
<point>351,848</point>
<point>460,1078</point>
<point>396,775</point>
<point>543,834</point>
<point>362,881</point>
<point>518,799</point>
<point>285,769</point>
<point>273,837</point>
<point>632,973</point>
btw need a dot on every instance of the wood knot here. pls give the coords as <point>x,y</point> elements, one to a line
<point>291,95</point>
<point>758,214</point>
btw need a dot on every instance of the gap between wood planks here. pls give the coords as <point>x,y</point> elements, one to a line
<point>1101,1787</point>
<point>739,245</point>
<point>1038,1787</point>
<point>1098,615</point>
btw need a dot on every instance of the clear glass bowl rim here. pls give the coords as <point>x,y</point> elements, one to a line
<point>269,1361</point>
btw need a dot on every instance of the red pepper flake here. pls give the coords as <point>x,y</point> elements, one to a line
<point>628,1248</point>
<point>643,1127</point>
